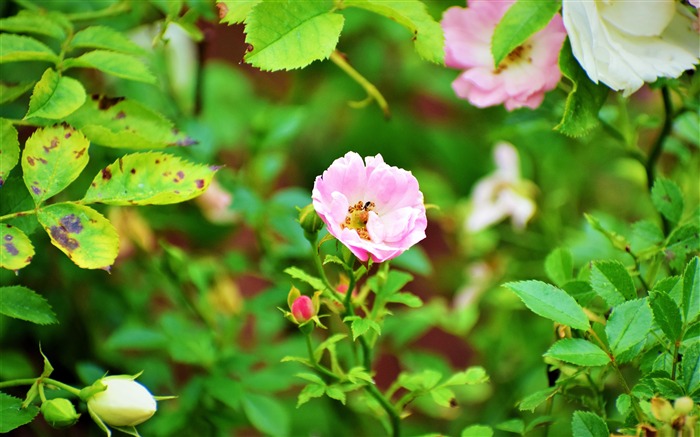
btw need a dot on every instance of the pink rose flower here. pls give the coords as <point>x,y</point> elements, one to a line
<point>521,79</point>
<point>303,309</point>
<point>374,209</point>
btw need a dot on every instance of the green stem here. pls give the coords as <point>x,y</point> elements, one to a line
<point>42,395</point>
<point>635,403</point>
<point>390,410</point>
<point>316,365</point>
<point>658,145</point>
<point>372,91</point>
<point>30,381</point>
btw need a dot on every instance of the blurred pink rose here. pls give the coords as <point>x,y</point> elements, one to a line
<point>524,75</point>
<point>303,309</point>
<point>374,209</point>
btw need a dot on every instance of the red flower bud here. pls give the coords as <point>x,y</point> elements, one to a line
<point>303,309</point>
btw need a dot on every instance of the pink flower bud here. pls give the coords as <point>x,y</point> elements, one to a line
<point>303,309</point>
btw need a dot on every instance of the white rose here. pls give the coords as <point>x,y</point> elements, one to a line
<point>125,402</point>
<point>627,43</point>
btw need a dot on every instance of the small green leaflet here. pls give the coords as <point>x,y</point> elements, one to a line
<point>683,241</point>
<point>583,102</point>
<point>289,34</point>
<point>149,178</point>
<point>15,48</point>
<point>9,149</point>
<point>413,15</point>
<point>22,303</point>
<point>690,365</point>
<point>578,351</point>
<point>667,199</point>
<point>550,302</point>
<point>298,273</point>
<point>522,20</point>
<point>103,37</point>
<point>628,325</point>
<point>12,415</point>
<point>235,11</point>
<point>666,314</point>
<point>53,157</point>
<point>536,399</point>
<point>35,22</point>
<point>16,251</point>
<point>587,424</point>
<point>55,96</point>
<point>83,234</point>
<point>691,291</point>
<point>125,124</point>
<point>266,414</point>
<point>611,281</point>
<point>477,431</point>
<point>116,64</point>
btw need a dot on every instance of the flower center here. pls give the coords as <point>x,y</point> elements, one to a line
<point>519,54</point>
<point>357,217</point>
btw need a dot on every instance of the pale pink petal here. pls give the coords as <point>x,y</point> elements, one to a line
<point>395,221</point>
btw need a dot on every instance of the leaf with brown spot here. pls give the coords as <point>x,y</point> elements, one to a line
<point>16,251</point>
<point>82,233</point>
<point>126,124</point>
<point>150,178</point>
<point>53,157</point>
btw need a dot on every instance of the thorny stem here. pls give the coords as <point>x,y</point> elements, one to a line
<point>635,403</point>
<point>656,149</point>
<point>372,91</point>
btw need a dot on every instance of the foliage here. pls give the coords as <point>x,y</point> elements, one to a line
<point>168,149</point>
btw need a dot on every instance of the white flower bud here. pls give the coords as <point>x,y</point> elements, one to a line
<point>125,402</point>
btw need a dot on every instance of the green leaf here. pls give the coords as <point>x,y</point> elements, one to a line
<point>629,324</point>
<point>126,124</point>
<point>516,426</point>
<point>408,299</point>
<point>9,93</point>
<point>550,302</point>
<point>691,291</point>
<point>103,37</point>
<point>587,424</point>
<point>35,22</point>
<point>55,96</point>
<point>444,397</point>
<point>583,102</point>
<point>668,388</point>
<point>12,415</point>
<point>289,34</point>
<point>298,273</point>
<point>22,303</point>
<point>581,291</point>
<point>395,281</point>
<point>477,431</point>
<point>9,149</point>
<point>266,414</point>
<point>559,266</point>
<point>235,11</point>
<point>53,157</point>
<point>666,314</point>
<point>522,20</point>
<point>611,281</point>
<point>667,199</point>
<point>16,251</point>
<point>578,351</point>
<point>690,366</point>
<point>226,390</point>
<point>646,238</point>
<point>135,338</point>
<point>15,48</point>
<point>471,376</point>
<point>683,241</point>
<point>623,404</point>
<point>536,399</point>
<point>335,392</point>
<point>413,15</point>
<point>149,178</point>
<point>82,233</point>
<point>309,392</point>
<point>360,326</point>
<point>116,64</point>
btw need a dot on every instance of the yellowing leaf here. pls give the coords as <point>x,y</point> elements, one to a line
<point>53,157</point>
<point>9,149</point>
<point>82,233</point>
<point>55,96</point>
<point>16,251</point>
<point>149,178</point>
